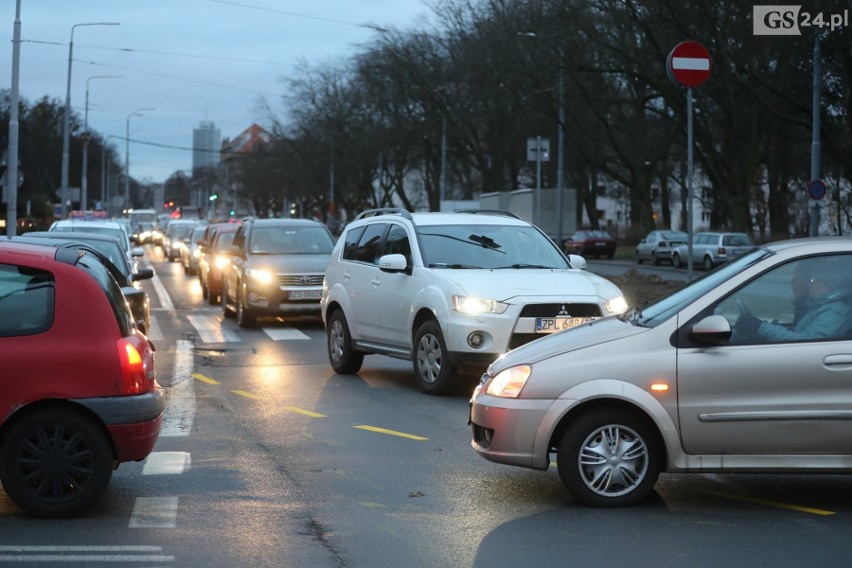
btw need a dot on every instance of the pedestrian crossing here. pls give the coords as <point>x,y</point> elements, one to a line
<point>210,329</point>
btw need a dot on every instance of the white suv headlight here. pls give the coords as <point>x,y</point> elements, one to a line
<point>509,382</point>
<point>474,305</point>
<point>616,305</point>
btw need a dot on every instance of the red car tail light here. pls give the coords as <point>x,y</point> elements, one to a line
<point>720,251</point>
<point>133,373</point>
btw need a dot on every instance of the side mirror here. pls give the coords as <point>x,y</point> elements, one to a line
<point>137,251</point>
<point>143,274</point>
<point>577,261</point>
<point>712,329</point>
<point>393,263</point>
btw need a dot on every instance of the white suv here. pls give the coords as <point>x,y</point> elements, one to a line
<point>451,291</point>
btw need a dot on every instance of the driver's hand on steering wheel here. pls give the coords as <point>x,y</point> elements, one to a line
<point>747,323</point>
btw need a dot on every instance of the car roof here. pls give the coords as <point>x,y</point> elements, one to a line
<point>285,222</point>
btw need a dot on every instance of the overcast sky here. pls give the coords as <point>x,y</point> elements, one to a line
<point>189,60</point>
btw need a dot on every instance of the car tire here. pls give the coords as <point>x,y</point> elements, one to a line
<point>343,358</point>
<point>610,458</point>
<point>55,462</point>
<point>432,365</point>
<point>655,259</point>
<point>226,310</point>
<point>245,318</point>
<point>205,292</point>
<point>677,262</point>
<point>708,263</point>
<point>639,259</point>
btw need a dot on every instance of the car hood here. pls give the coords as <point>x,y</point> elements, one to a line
<point>592,333</point>
<point>290,263</point>
<point>505,284</point>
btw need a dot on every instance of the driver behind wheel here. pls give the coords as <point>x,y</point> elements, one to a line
<point>829,310</point>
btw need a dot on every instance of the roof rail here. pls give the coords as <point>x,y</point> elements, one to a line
<point>489,212</point>
<point>384,211</point>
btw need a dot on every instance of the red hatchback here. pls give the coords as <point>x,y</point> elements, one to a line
<point>78,391</point>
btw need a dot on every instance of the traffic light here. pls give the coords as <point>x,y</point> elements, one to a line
<point>213,197</point>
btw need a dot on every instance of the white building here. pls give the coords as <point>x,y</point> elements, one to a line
<point>206,143</point>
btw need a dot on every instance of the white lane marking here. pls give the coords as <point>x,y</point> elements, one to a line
<point>287,333</point>
<point>210,330</point>
<point>154,512</point>
<point>180,410</point>
<point>166,463</point>
<point>154,334</point>
<point>129,553</point>
<point>162,293</point>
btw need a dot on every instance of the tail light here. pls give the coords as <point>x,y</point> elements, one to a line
<point>133,372</point>
<point>721,251</point>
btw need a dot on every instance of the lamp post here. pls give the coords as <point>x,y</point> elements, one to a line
<point>136,112</point>
<point>104,182</point>
<point>66,128</point>
<point>12,157</point>
<point>84,182</point>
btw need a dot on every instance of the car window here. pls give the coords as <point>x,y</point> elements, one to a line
<point>224,240</point>
<point>350,244</point>
<point>290,240</point>
<point>369,246</point>
<point>805,300</point>
<point>120,308</point>
<point>736,240</point>
<point>26,300</point>
<point>488,246</point>
<point>397,242</point>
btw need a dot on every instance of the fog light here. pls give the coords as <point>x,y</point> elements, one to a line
<point>475,339</point>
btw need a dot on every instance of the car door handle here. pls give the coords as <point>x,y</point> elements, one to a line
<point>839,361</point>
<point>376,282</point>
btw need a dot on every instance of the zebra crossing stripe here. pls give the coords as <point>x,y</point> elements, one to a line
<point>210,330</point>
<point>279,334</point>
<point>154,513</point>
<point>166,463</point>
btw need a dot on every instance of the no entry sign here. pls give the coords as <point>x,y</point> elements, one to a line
<point>688,64</point>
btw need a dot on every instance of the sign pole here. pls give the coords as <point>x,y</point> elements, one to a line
<point>537,222</point>
<point>815,134</point>
<point>689,190</point>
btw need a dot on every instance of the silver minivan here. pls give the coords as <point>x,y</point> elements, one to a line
<point>746,369</point>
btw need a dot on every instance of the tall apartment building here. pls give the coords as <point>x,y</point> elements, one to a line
<point>206,144</point>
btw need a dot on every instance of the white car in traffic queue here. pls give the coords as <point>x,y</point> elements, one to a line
<point>451,292</point>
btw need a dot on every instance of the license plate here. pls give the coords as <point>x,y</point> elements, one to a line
<point>305,294</point>
<point>600,244</point>
<point>551,325</point>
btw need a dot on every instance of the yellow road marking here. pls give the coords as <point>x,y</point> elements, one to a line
<point>389,432</point>
<point>305,412</point>
<point>204,379</point>
<point>246,394</point>
<point>776,504</point>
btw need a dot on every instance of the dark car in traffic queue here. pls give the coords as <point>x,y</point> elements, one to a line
<point>126,274</point>
<point>78,391</point>
<point>217,238</point>
<point>276,267</point>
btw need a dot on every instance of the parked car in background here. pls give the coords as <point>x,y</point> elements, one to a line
<point>451,292</point>
<point>715,377</point>
<point>127,274</point>
<point>657,246</point>
<point>712,249</point>
<point>276,268</point>
<point>218,237</point>
<point>191,251</point>
<point>78,390</point>
<point>177,233</point>
<point>588,243</point>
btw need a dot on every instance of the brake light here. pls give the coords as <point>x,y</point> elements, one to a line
<point>132,368</point>
<point>721,251</point>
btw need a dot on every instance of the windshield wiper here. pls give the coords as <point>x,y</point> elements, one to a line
<point>455,266</point>
<point>524,265</point>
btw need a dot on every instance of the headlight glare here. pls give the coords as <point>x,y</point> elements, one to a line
<point>616,305</point>
<point>262,276</point>
<point>221,262</point>
<point>474,305</point>
<point>509,382</point>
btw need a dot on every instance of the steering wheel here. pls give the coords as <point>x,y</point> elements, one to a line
<point>742,329</point>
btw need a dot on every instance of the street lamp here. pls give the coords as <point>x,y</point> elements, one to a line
<point>66,129</point>
<point>84,183</point>
<point>136,112</point>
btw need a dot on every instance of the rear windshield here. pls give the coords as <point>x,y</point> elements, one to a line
<point>26,300</point>
<point>119,305</point>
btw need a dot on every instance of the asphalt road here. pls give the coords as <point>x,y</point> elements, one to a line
<point>268,458</point>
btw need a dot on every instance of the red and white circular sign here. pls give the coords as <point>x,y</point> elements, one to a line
<point>688,64</point>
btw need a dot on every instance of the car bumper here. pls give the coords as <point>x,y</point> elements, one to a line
<point>133,421</point>
<point>510,431</point>
<point>273,301</point>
